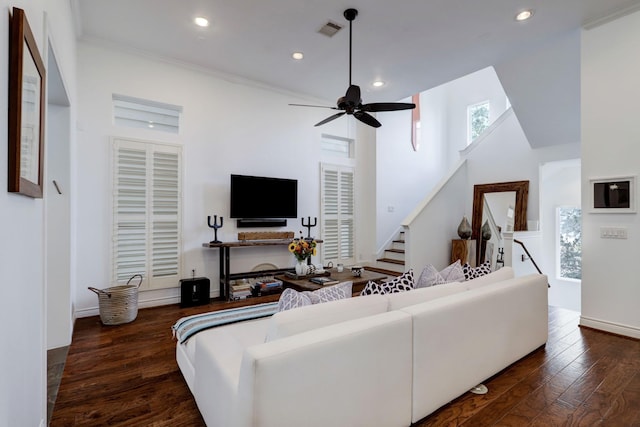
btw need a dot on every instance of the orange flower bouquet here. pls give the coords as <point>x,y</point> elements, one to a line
<point>302,248</point>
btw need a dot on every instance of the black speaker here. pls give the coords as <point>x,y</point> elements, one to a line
<point>194,291</point>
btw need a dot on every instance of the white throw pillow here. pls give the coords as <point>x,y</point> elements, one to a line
<point>430,276</point>
<point>291,298</point>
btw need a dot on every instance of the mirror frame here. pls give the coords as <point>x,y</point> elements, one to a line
<point>520,215</point>
<point>22,45</point>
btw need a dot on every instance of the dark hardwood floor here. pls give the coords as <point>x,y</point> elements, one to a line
<point>127,376</point>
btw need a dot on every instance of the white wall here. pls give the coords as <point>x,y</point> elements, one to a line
<point>503,154</point>
<point>22,252</point>
<point>443,117</point>
<point>227,126</point>
<point>610,141</point>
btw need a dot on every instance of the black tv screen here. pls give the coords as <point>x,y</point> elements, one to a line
<point>255,197</point>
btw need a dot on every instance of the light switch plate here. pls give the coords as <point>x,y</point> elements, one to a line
<point>613,232</point>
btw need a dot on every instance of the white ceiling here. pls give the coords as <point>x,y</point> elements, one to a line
<point>413,45</point>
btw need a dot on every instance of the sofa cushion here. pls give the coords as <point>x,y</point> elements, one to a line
<point>291,322</point>
<point>417,296</point>
<point>473,272</point>
<point>291,298</point>
<point>401,283</point>
<point>430,276</point>
<point>505,273</point>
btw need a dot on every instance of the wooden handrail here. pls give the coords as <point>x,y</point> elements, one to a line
<point>530,257</point>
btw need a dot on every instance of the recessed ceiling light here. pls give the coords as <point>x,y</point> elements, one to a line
<point>524,15</point>
<point>378,83</point>
<point>297,55</point>
<point>201,21</point>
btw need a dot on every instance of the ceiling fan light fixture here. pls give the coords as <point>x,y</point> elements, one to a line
<point>201,21</point>
<point>297,56</point>
<point>524,15</point>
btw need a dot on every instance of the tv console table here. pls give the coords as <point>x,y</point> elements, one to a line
<point>225,261</point>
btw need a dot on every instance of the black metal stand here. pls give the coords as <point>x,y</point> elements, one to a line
<point>215,227</point>
<point>309,225</point>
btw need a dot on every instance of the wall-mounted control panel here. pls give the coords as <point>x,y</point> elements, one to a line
<point>613,232</point>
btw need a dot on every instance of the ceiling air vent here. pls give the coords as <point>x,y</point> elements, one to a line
<point>330,29</point>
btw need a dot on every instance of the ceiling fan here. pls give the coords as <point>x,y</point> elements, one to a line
<point>351,103</point>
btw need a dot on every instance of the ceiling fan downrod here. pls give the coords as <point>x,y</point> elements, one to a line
<point>350,15</point>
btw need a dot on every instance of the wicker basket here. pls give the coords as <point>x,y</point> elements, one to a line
<point>118,304</point>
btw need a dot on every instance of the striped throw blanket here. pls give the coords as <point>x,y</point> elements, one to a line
<point>188,326</point>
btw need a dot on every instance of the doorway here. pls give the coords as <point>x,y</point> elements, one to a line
<point>560,191</point>
<point>57,186</point>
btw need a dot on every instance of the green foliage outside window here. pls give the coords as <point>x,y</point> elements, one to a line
<point>479,119</point>
<point>570,243</point>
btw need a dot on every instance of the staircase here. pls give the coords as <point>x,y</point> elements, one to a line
<point>393,257</point>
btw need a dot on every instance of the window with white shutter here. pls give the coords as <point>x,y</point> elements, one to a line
<point>147,205</point>
<point>337,214</point>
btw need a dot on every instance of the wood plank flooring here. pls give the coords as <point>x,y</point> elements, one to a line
<point>127,376</point>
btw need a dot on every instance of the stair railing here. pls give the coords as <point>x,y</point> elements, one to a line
<point>529,257</point>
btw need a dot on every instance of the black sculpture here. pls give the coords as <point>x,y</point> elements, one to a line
<point>309,226</point>
<point>215,227</point>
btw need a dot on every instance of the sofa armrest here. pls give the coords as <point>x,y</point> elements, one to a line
<point>463,339</point>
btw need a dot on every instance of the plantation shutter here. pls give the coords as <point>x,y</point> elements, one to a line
<point>337,214</point>
<point>147,212</point>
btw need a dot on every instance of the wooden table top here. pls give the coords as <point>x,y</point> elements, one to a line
<point>346,275</point>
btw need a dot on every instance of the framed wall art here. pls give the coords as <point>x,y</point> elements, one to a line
<point>26,109</point>
<point>613,195</point>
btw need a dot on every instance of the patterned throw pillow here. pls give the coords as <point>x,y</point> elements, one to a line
<point>430,276</point>
<point>401,283</point>
<point>481,270</point>
<point>291,298</point>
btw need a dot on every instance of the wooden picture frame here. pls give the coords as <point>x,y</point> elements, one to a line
<point>26,109</point>
<point>613,195</point>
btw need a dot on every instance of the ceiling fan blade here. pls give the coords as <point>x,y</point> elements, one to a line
<point>328,119</point>
<point>387,106</point>
<point>367,119</point>
<point>314,106</point>
<point>353,95</point>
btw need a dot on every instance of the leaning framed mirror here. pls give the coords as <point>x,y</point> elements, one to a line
<point>26,109</point>
<point>521,190</point>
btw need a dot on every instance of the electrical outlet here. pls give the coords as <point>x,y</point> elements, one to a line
<point>613,232</point>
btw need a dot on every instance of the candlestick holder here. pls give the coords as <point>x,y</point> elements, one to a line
<point>215,227</point>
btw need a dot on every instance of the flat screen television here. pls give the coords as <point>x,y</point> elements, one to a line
<point>258,197</point>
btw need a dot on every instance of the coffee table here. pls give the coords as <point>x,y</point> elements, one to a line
<point>358,282</point>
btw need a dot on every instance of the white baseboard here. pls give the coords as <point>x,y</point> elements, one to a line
<point>614,328</point>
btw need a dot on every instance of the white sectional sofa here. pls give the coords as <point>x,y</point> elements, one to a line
<point>377,360</point>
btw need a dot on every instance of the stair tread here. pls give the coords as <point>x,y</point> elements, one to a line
<point>391,261</point>
<point>384,271</point>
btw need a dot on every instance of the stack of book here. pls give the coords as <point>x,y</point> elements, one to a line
<point>267,286</point>
<point>240,291</point>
